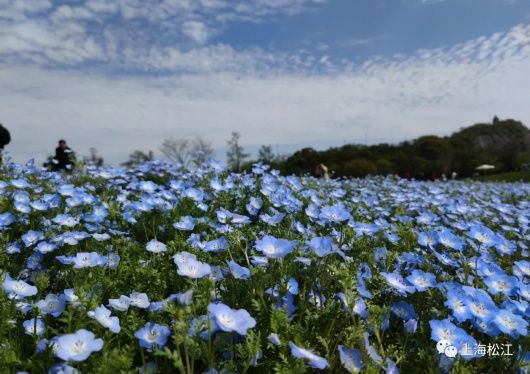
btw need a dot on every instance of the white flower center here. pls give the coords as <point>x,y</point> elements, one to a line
<point>79,346</point>
<point>227,320</point>
<point>152,335</point>
<point>508,322</point>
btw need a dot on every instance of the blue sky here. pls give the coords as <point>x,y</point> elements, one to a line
<point>126,74</point>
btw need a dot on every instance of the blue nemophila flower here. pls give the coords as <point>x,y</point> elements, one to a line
<point>101,237</point>
<point>6,219</point>
<point>386,323</point>
<point>322,246</point>
<point>18,288</point>
<point>487,328</point>
<point>522,266</point>
<point>403,310</point>
<point>360,308</point>
<point>12,248</point>
<point>34,261</point>
<point>391,367</point>
<point>273,219</point>
<point>113,260</point>
<point>65,220</point>
<point>510,323</point>
<point>334,214</point>
<point>192,268</point>
<point>427,218</point>
<point>342,297</point>
<point>314,360</point>
<point>481,305</point>
<point>88,259</point>
<point>78,346</point>
<point>228,319</point>
<point>21,197</point>
<point>380,256</point>
<point>40,205</point>
<point>351,359</point>
<point>22,208</point>
<point>155,246</point>
<point>183,298</point>
<point>410,326</point>
<point>238,271</point>
<point>70,297</point>
<point>34,327</point>
<point>292,286</point>
<point>501,283</point>
<point>216,245</point>
<point>254,205</point>
<point>148,186</point>
<point>139,300</point>
<point>203,326</point>
<point>45,247</point>
<point>371,350</point>
<point>273,247</point>
<point>152,334</point>
<point>505,247</point>
<point>445,330</point>
<point>428,239</point>
<point>32,237</point>
<point>450,240</point>
<point>274,339</point>
<point>457,302</point>
<point>52,304</point>
<point>103,316</point>
<point>396,281</point>
<point>20,183</point>
<point>483,235</point>
<point>422,280</point>
<point>122,304</point>
<point>186,223</point>
<point>194,194</point>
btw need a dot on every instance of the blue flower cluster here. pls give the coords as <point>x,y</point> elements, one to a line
<point>205,270</point>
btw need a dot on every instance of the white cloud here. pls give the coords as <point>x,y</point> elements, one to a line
<point>434,91</point>
<point>197,31</point>
<point>47,92</point>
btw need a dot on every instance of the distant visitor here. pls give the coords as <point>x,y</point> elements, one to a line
<point>321,171</point>
<point>62,160</point>
<point>5,138</point>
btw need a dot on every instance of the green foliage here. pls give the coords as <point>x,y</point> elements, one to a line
<point>505,144</point>
<point>236,155</point>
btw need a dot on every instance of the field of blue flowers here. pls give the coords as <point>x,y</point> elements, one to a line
<point>159,270</point>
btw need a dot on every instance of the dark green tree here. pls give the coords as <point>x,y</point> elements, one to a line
<point>266,155</point>
<point>236,155</point>
<point>138,157</point>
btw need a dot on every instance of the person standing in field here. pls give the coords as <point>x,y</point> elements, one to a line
<point>62,160</point>
<point>5,138</point>
<point>321,171</point>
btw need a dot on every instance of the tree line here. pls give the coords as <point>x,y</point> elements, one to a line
<point>504,144</point>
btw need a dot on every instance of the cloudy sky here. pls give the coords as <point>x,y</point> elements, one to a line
<point>125,74</point>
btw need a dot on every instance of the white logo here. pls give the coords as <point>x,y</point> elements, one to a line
<point>445,347</point>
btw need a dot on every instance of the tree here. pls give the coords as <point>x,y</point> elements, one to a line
<point>138,157</point>
<point>183,151</point>
<point>266,155</point>
<point>235,154</point>
<point>360,167</point>
<point>177,151</point>
<point>94,157</point>
<point>202,150</point>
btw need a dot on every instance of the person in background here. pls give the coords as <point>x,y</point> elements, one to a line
<point>321,171</point>
<point>5,138</point>
<point>62,161</point>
